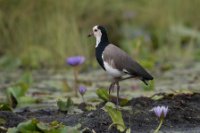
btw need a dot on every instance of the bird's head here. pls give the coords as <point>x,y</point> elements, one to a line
<point>99,32</point>
<point>96,31</point>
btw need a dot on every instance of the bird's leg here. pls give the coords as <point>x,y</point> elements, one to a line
<point>110,88</point>
<point>118,87</point>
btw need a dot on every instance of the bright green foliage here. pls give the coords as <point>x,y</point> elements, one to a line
<point>35,126</point>
<point>22,85</point>
<point>65,106</point>
<point>123,101</point>
<point>103,94</point>
<point>116,117</point>
<point>5,107</point>
<point>17,93</point>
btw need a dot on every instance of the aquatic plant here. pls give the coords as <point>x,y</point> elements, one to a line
<point>75,62</point>
<point>65,105</point>
<point>116,117</point>
<point>160,112</point>
<point>37,126</point>
<point>82,90</point>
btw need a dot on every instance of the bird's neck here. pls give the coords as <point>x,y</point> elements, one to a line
<point>102,41</point>
<point>101,44</point>
<point>98,40</point>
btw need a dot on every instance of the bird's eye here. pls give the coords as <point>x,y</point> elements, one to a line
<point>95,30</point>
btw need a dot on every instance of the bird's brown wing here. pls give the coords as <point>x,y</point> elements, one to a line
<point>120,60</point>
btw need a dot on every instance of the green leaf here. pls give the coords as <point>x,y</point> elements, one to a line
<point>123,101</point>
<point>116,116</point>
<point>35,126</point>
<point>103,94</point>
<point>12,101</point>
<point>5,107</point>
<point>67,129</point>
<point>15,92</point>
<point>157,97</point>
<point>30,125</point>
<point>65,105</point>
<point>43,126</point>
<point>128,130</point>
<point>90,107</point>
<point>26,100</point>
<point>18,91</point>
<point>12,130</point>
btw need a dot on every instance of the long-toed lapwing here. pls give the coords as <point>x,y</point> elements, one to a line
<point>115,61</point>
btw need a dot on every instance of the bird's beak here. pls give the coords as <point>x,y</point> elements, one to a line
<point>91,34</point>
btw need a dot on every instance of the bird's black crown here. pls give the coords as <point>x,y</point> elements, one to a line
<point>102,28</point>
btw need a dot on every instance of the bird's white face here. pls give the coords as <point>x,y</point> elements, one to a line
<point>97,33</point>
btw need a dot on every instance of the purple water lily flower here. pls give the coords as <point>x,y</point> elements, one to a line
<point>75,60</point>
<point>160,111</point>
<point>82,90</point>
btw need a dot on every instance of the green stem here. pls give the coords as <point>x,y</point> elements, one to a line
<point>119,126</point>
<point>159,126</point>
<point>76,81</point>
<point>83,98</point>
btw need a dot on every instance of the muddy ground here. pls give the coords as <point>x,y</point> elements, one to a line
<point>183,115</point>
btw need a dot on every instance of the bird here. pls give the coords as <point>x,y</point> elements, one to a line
<point>115,61</point>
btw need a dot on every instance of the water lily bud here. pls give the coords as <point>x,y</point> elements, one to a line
<point>82,90</point>
<point>160,111</point>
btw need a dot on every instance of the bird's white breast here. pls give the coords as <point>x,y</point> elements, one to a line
<point>112,71</point>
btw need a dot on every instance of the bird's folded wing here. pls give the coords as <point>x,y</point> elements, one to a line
<point>120,60</point>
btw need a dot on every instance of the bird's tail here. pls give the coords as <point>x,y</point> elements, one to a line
<point>145,82</point>
<point>146,78</point>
